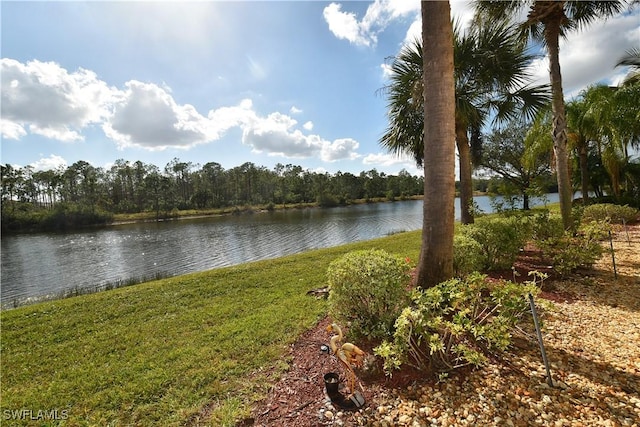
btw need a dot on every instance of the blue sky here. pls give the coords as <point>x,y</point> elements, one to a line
<point>230,82</point>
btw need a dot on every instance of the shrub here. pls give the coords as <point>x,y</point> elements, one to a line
<point>467,255</point>
<point>327,200</point>
<point>368,289</point>
<point>569,251</point>
<point>609,212</point>
<point>501,239</point>
<point>454,323</point>
<point>545,225</point>
<point>391,195</point>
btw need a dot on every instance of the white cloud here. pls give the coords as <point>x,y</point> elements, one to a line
<point>460,10</point>
<point>147,116</point>
<point>386,71</point>
<point>345,25</point>
<point>277,135</point>
<point>225,118</point>
<point>49,163</point>
<point>414,32</point>
<point>589,56</point>
<point>586,57</point>
<point>340,149</point>
<point>295,110</point>
<point>387,159</point>
<point>61,133</point>
<point>393,162</point>
<point>48,100</point>
<point>45,99</point>
<point>11,130</point>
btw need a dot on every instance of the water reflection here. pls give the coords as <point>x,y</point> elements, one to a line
<point>46,264</point>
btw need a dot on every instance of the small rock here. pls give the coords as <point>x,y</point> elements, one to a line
<point>328,415</point>
<point>404,419</point>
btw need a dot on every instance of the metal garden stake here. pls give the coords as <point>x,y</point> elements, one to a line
<point>539,334</point>
<point>613,256</point>
<point>626,230</point>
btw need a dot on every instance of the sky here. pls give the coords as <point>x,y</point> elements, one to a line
<point>267,82</point>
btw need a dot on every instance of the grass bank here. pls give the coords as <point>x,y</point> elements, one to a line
<point>159,352</point>
<point>123,218</point>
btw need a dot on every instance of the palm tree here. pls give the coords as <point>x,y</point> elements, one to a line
<point>581,132</point>
<point>604,120</point>
<point>631,58</point>
<point>616,115</point>
<point>546,22</point>
<point>436,253</point>
<point>490,73</point>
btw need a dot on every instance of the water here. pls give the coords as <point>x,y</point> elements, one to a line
<point>37,265</point>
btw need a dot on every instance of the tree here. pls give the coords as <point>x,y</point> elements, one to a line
<point>581,134</point>
<point>436,253</point>
<point>504,154</point>
<point>615,114</point>
<point>546,22</point>
<point>631,58</point>
<point>491,76</point>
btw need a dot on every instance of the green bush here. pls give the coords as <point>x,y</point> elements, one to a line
<point>501,239</point>
<point>327,200</point>
<point>545,225</point>
<point>455,323</point>
<point>569,251</point>
<point>467,255</point>
<point>609,212</point>
<point>367,290</point>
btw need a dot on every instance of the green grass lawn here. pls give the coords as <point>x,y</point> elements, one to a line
<point>157,353</point>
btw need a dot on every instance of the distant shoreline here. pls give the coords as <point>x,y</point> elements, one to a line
<point>150,217</point>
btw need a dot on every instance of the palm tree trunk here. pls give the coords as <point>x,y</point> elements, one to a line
<point>559,135</point>
<point>466,183</point>
<point>436,254</point>
<point>584,173</point>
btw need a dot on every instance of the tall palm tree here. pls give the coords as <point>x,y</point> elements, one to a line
<point>490,73</point>
<point>546,22</point>
<point>436,254</point>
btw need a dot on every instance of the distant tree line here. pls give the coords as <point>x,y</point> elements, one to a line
<point>83,194</point>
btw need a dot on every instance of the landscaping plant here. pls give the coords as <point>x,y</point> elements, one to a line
<point>455,323</point>
<point>500,237</point>
<point>467,255</point>
<point>569,250</point>
<point>367,291</point>
<point>609,212</point>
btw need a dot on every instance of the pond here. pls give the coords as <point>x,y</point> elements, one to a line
<point>52,264</point>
